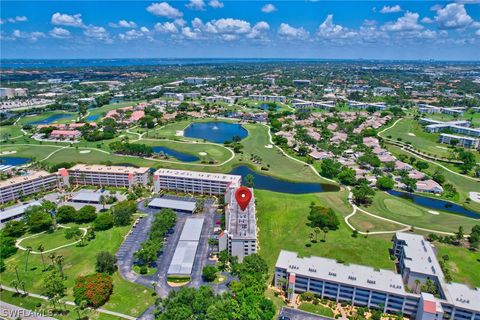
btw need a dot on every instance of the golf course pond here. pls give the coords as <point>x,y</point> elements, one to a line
<point>215,131</point>
<point>13,161</point>
<point>51,119</point>
<point>436,204</point>
<point>265,182</point>
<point>181,156</point>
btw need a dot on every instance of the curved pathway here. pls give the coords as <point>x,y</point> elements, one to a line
<point>17,242</point>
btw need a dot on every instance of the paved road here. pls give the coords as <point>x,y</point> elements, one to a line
<point>295,314</point>
<point>10,311</point>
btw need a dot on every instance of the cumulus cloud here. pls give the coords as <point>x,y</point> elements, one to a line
<point>329,30</point>
<point>391,9</point>
<point>196,5</point>
<point>30,36</point>
<point>60,33</point>
<point>167,27</point>
<point>289,32</point>
<point>409,22</point>
<point>62,19</point>
<point>269,8</point>
<point>188,33</point>
<point>123,24</point>
<point>14,19</point>
<point>427,20</point>
<point>228,25</point>
<point>135,34</point>
<point>215,4</point>
<point>97,33</point>
<point>163,9</point>
<point>258,30</point>
<point>453,16</point>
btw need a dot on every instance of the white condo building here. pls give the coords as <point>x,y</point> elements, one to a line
<point>100,175</point>
<point>378,288</point>
<point>20,186</point>
<point>194,182</point>
<point>240,235</point>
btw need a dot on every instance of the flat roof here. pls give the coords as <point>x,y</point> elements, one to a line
<point>199,175</point>
<point>463,296</point>
<point>113,169</point>
<point>351,274</point>
<point>16,210</point>
<point>184,256</point>
<point>85,196</point>
<point>32,175</point>
<point>173,204</point>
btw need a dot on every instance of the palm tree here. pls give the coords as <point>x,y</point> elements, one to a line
<point>103,200</point>
<point>29,249</point>
<point>317,231</point>
<point>52,256</point>
<point>14,284</point>
<point>40,249</point>
<point>312,236</point>
<point>368,232</point>
<point>16,272</point>
<point>22,284</point>
<point>59,260</point>
<point>325,231</point>
<point>417,282</point>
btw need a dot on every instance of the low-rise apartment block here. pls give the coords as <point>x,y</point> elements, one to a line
<point>240,235</point>
<point>459,126</point>
<point>383,289</point>
<point>100,175</point>
<point>267,98</point>
<point>194,182</point>
<point>465,142</point>
<point>224,99</point>
<point>17,187</point>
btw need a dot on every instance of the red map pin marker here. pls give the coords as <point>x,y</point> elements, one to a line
<point>243,196</point>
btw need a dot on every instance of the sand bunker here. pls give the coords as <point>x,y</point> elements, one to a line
<point>202,153</point>
<point>85,151</point>
<point>411,134</point>
<point>179,133</point>
<point>434,212</point>
<point>269,146</point>
<point>8,152</point>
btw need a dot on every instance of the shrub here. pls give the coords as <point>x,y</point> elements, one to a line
<point>95,289</point>
<point>103,221</point>
<point>106,262</point>
<point>209,273</point>
<point>14,229</point>
<point>66,214</point>
<point>86,214</point>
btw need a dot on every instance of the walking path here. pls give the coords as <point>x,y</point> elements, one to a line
<point>70,303</point>
<point>17,242</point>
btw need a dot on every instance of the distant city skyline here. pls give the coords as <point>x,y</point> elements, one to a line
<point>385,30</point>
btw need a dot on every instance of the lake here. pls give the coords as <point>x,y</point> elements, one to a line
<point>92,117</point>
<point>13,161</point>
<point>436,204</point>
<point>185,157</point>
<point>51,119</point>
<point>265,182</point>
<point>215,131</point>
<point>266,107</point>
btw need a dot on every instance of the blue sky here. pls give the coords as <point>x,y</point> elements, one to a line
<point>257,29</point>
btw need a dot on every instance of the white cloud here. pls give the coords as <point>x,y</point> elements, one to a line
<point>197,23</point>
<point>15,19</point>
<point>180,22</point>
<point>189,33</point>
<point>131,35</point>
<point>330,30</point>
<point>30,36</point>
<point>163,9</point>
<point>453,16</point>
<point>167,27</point>
<point>391,9</point>
<point>62,19</point>
<point>409,22</point>
<point>268,8</point>
<point>478,32</point>
<point>60,33</point>
<point>258,30</point>
<point>123,24</point>
<point>215,4</point>
<point>427,20</point>
<point>96,32</point>
<point>228,25</point>
<point>289,32</point>
<point>144,30</point>
<point>196,5</point>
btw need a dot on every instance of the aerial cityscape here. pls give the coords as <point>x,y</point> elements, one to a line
<point>208,159</point>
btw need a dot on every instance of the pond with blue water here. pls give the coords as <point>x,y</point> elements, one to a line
<point>51,119</point>
<point>92,117</point>
<point>267,107</point>
<point>265,182</point>
<point>215,131</point>
<point>436,204</point>
<point>181,156</point>
<point>13,161</point>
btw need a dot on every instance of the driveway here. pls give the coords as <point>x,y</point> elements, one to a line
<point>295,314</point>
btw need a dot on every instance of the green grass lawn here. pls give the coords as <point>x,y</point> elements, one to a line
<point>8,132</point>
<point>126,298</point>
<point>42,306</point>
<point>463,263</point>
<point>405,211</point>
<point>364,222</point>
<point>317,309</point>
<point>44,115</point>
<point>48,240</point>
<point>282,221</point>
<point>150,271</point>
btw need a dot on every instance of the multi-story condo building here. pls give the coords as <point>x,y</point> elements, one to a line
<point>267,98</point>
<point>197,80</point>
<point>20,186</point>
<point>302,104</point>
<point>365,105</point>
<point>383,289</point>
<point>302,82</point>
<point>240,235</point>
<point>194,182</point>
<point>100,175</point>
<point>225,99</point>
<point>174,96</point>
<point>426,108</point>
<point>462,141</point>
<point>459,126</point>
